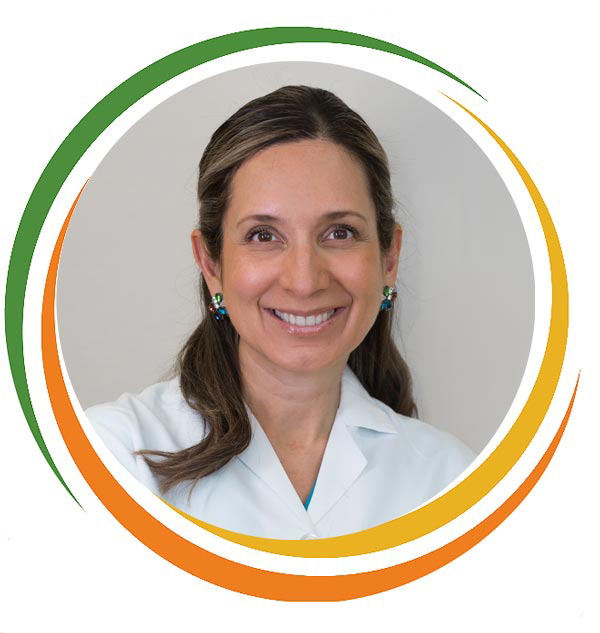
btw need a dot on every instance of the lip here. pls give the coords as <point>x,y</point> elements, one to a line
<point>306,330</point>
<point>304,313</point>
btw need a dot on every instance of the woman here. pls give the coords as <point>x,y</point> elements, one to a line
<point>292,413</point>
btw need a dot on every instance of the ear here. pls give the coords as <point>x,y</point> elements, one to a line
<point>211,270</point>
<point>390,260</point>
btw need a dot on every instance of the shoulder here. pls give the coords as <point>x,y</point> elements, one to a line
<point>426,458</point>
<point>158,418</point>
<point>407,438</point>
<point>430,442</point>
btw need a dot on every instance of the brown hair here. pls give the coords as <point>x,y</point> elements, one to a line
<point>208,363</point>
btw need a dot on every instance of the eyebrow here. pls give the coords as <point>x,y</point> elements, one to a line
<point>331,215</point>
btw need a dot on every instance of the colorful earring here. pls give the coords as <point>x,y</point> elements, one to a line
<point>217,308</point>
<point>389,296</point>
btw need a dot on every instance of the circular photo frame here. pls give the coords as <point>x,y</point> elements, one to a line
<point>491,468</point>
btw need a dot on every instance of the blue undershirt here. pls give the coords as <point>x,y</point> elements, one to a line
<point>310,494</point>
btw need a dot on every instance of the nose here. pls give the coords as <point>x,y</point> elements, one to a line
<point>304,270</point>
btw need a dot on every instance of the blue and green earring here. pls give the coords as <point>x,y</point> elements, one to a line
<point>217,308</point>
<point>389,296</point>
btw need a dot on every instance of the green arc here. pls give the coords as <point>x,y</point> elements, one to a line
<point>94,123</point>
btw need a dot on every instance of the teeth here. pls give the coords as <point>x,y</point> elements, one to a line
<point>295,319</point>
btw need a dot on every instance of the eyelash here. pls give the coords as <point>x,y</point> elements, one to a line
<point>257,231</point>
<point>265,229</point>
<point>344,227</point>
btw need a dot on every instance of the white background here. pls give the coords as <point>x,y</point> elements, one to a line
<point>62,569</point>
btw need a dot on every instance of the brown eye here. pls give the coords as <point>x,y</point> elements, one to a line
<point>262,236</point>
<point>340,234</point>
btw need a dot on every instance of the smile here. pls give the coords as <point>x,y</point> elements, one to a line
<point>304,321</point>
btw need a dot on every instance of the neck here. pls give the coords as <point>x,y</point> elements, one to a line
<point>295,409</point>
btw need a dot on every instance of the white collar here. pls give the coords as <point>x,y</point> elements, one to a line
<point>358,408</point>
<point>343,460</point>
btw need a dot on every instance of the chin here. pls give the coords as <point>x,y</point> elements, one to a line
<point>303,363</point>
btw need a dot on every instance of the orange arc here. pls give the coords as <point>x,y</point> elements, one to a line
<point>215,569</point>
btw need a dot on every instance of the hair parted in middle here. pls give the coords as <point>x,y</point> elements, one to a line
<point>208,364</point>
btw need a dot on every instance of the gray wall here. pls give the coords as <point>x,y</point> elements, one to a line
<point>127,287</point>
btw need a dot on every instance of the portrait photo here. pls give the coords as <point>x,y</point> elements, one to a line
<point>295,300</point>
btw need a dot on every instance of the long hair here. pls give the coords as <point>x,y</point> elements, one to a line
<point>208,365</point>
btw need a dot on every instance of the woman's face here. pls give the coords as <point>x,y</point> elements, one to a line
<point>301,271</point>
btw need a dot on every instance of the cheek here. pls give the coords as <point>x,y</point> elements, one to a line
<point>363,277</point>
<point>247,279</point>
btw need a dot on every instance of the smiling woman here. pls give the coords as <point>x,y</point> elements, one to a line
<point>316,254</point>
<point>291,416</point>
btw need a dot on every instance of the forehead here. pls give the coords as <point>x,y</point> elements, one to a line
<point>302,179</point>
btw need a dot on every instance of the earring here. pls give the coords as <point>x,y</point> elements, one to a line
<point>217,308</point>
<point>389,296</point>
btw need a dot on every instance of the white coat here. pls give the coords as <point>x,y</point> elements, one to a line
<point>377,465</point>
